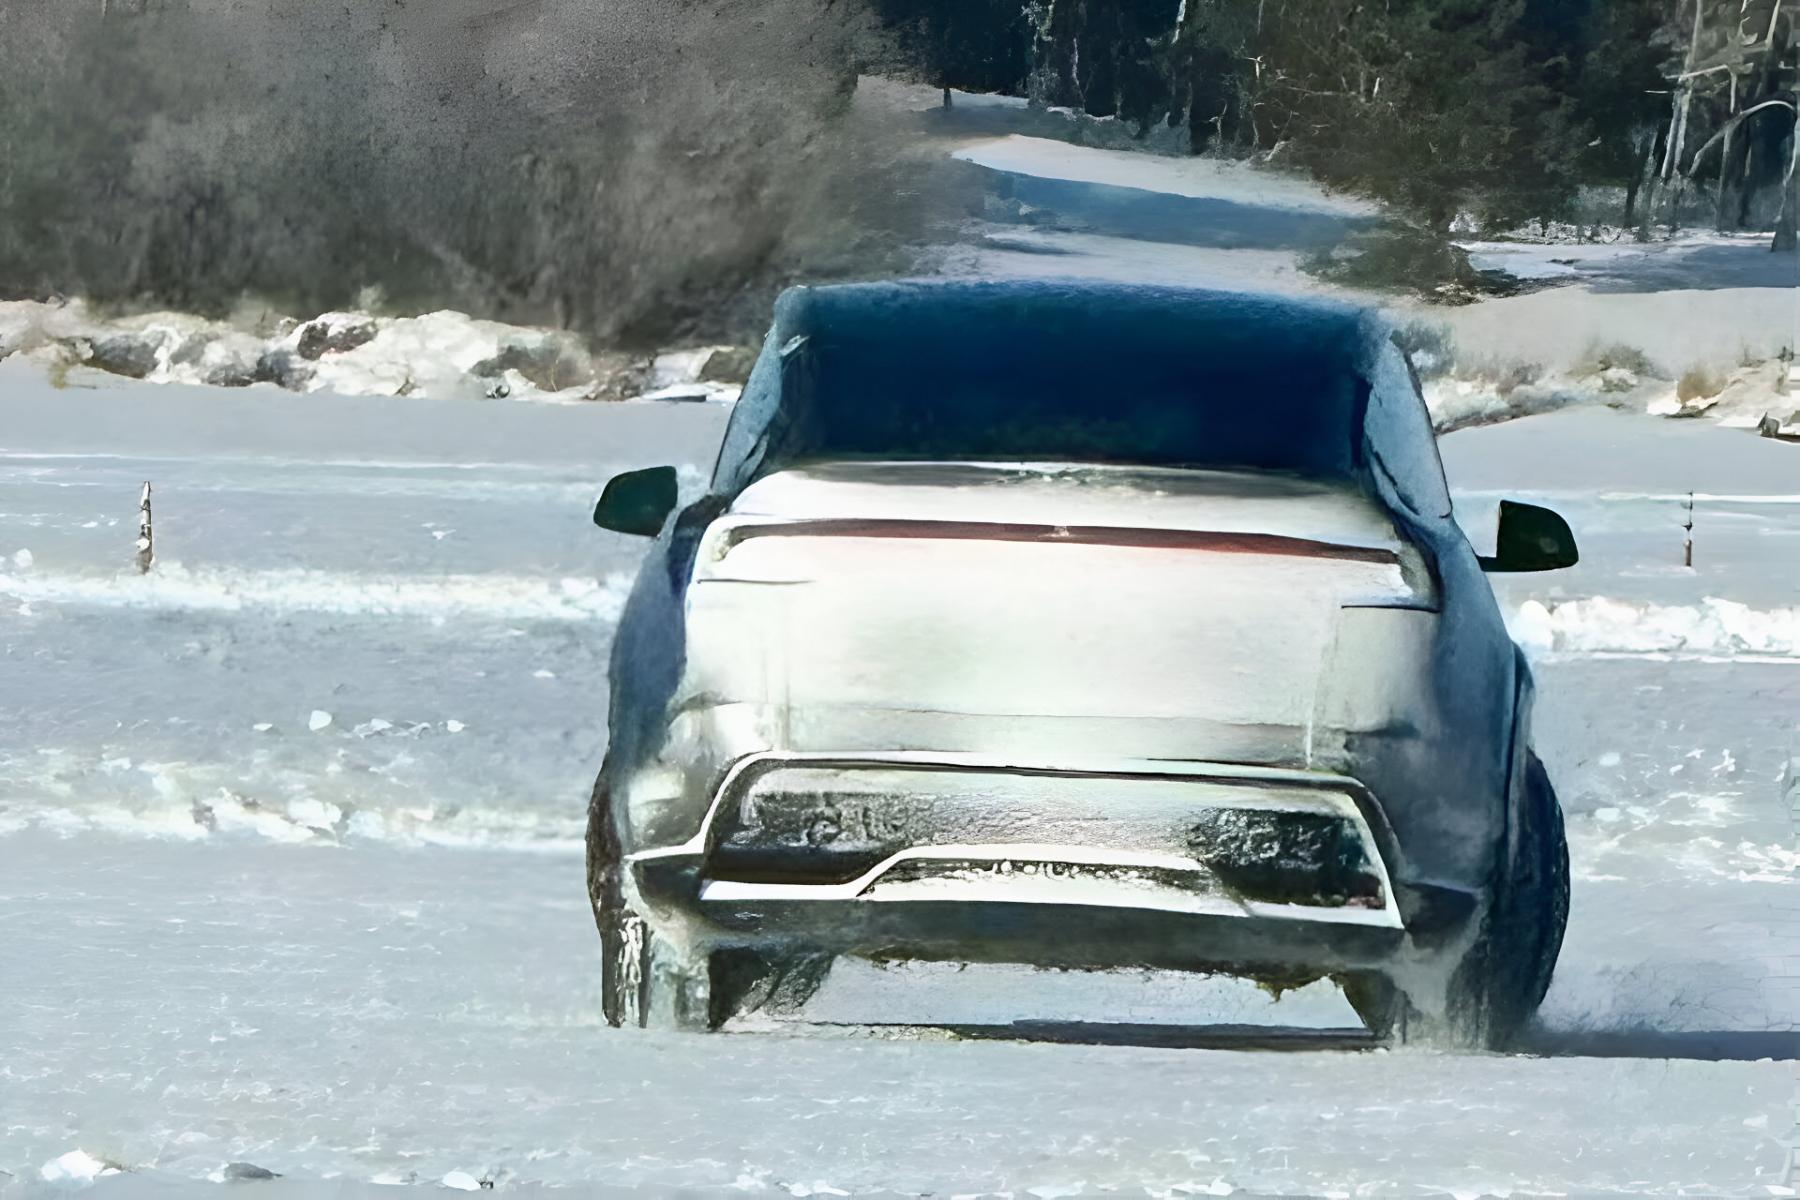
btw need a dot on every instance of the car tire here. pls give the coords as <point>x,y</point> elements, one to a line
<point>1507,973</point>
<point>645,982</point>
<point>1381,1005</point>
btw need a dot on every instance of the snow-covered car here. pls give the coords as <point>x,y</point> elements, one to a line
<point>1078,625</point>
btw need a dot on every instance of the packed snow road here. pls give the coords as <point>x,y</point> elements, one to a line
<point>290,870</point>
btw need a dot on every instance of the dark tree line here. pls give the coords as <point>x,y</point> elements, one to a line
<point>641,170</point>
<point>650,169</point>
<point>1500,107</point>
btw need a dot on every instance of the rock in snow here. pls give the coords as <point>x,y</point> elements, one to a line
<point>284,368</point>
<point>333,333</point>
<point>129,354</point>
<point>550,362</point>
<point>434,355</point>
<point>728,364</point>
<point>77,1166</point>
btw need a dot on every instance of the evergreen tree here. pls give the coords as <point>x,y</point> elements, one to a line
<point>970,45</point>
<point>1503,107</point>
<point>1437,105</point>
<point>1620,92</point>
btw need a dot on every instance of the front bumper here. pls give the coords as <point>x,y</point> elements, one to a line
<point>1090,896</point>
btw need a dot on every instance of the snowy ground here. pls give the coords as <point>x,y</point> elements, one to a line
<point>1698,326</point>
<point>1696,259</point>
<point>360,953</point>
<point>289,829</point>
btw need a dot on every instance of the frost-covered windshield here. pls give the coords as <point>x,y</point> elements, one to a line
<point>1172,418</point>
<point>1052,371</point>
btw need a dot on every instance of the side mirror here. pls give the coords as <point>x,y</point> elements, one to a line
<point>1531,539</point>
<point>637,502</point>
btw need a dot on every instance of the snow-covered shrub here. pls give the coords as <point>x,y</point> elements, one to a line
<point>1430,345</point>
<point>1602,358</point>
<point>635,169</point>
<point>1698,383</point>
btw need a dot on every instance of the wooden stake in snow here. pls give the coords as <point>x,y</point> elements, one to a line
<point>1687,543</point>
<point>146,540</point>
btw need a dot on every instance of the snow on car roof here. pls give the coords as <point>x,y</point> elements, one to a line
<point>1071,321</point>
<point>1064,370</point>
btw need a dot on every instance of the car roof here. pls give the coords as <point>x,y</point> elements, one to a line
<point>866,347</point>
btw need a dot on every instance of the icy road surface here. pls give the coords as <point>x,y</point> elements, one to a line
<point>289,865</point>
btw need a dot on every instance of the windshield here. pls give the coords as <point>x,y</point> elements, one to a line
<point>1287,421</point>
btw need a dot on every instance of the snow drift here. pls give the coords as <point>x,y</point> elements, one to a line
<point>1599,625</point>
<point>173,586</point>
<point>437,355</point>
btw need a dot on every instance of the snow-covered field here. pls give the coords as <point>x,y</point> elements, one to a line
<point>291,869</point>
<point>1701,326</point>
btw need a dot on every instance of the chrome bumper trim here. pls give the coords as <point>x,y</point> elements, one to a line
<point>1027,888</point>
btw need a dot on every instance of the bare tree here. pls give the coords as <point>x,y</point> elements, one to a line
<point>1739,66</point>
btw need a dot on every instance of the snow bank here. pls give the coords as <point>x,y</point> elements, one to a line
<point>435,355</point>
<point>1696,259</point>
<point>173,586</point>
<point>225,815</point>
<point>1746,397</point>
<point>1194,177</point>
<point>1463,403</point>
<point>1723,355</point>
<point>273,789</point>
<point>1599,625</point>
<point>76,1167</point>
